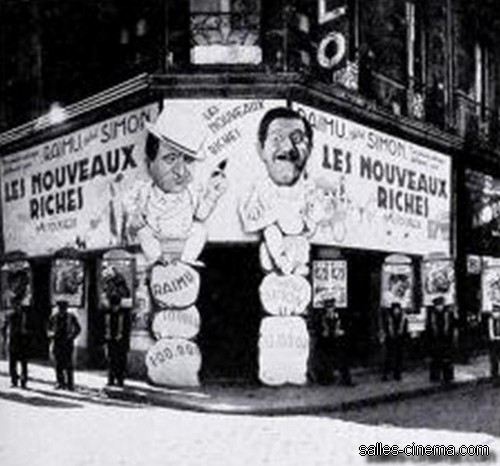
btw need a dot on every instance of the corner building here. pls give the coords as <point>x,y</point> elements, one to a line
<point>402,97</point>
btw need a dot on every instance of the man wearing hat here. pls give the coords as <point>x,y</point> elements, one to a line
<point>331,345</point>
<point>441,329</point>
<point>16,327</point>
<point>168,211</point>
<point>62,330</point>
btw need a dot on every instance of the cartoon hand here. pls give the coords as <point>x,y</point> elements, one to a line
<point>217,184</point>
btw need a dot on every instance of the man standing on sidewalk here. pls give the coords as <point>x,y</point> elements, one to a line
<point>441,328</point>
<point>16,328</point>
<point>63,329</point>
<point>117,337</point>
<point>395,327</point>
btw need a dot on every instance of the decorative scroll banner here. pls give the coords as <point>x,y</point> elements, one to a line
<point>438,280</point>
<point>16,281</point>
<point>330,281</point>
<point>67,191</point>
<point>285,295</point>
<point>68,280</point>
<point>184,323</point>
<point>175,285</point>
<point>397,283</point>
<point>174,362</point>
<point>283,350</point>
<point>490,288</point>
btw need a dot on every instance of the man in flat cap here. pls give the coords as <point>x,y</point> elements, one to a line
<point>62,330</point>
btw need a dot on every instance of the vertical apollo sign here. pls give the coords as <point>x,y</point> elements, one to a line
<point>332,37</point>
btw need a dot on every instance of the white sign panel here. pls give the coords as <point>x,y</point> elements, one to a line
<point>174,285</point>
<point>378,191</point>
<point>181,323</point>
<point>66,192</point>
<point>283,350</point>
<point>330,281</point>
<point>174,362</point>
<point>285,295</point>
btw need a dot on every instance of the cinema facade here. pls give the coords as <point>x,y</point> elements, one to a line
<point>385,233</point>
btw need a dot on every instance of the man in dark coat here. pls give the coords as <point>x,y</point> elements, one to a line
<point>16,328</point>
<point>395,327</point>
<point>441,329</point>
<point>117,336</point>
<point>63,329</point>
<point>331,345</point>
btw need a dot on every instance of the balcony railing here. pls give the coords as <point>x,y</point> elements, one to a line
<point>477,122</point>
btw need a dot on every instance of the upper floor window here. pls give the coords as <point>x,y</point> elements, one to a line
<point>225,32</point>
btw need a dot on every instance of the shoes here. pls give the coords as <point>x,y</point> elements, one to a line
<point>13,384</point>
<point>58,386</point>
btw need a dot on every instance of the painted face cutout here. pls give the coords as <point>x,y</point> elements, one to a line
<point>285,150</point>
<point>171,170</point>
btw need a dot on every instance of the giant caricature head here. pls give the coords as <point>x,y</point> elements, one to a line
<point>174,142</point>
<point>285,140</point>
<point>170,167</point>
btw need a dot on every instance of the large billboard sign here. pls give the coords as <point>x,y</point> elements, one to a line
<point>63,193</point>
<point>78,190</point>
<point>377,191</point>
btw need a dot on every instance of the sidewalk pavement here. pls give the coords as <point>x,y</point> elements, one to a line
<point>260,400</point>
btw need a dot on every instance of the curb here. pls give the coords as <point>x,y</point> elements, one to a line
<point>152,398</point>
<point>163,401</point>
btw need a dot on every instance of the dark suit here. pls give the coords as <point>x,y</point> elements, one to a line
<point>64,328</point>
<point>331,347</point>
<point>16,324</point>
<point>395,328</point>
<point>117,336</point>
<point>441,327</point>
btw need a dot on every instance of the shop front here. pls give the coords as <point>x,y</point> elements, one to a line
<point>223,258</point>
<point>481,252</point>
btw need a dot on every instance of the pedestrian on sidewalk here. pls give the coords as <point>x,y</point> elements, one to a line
<point>494,342</point>
<point>394,333</point>
<point>441,332</point>
<point>16,331</point>
<point>63,329</point>
<point>117,322</point>
<point>330,348</point>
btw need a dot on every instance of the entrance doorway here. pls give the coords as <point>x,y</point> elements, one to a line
<point>230,312</point>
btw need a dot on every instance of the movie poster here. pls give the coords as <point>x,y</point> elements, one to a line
<point>68,282</point>
<point>397,285</point>
<point>438,280</point>
<point>330,281</point>
<point>16,282</point>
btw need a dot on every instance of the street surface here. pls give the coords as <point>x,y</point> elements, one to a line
<point>45,427</point>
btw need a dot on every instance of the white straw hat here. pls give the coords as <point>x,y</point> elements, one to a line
<point>186,131</point>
